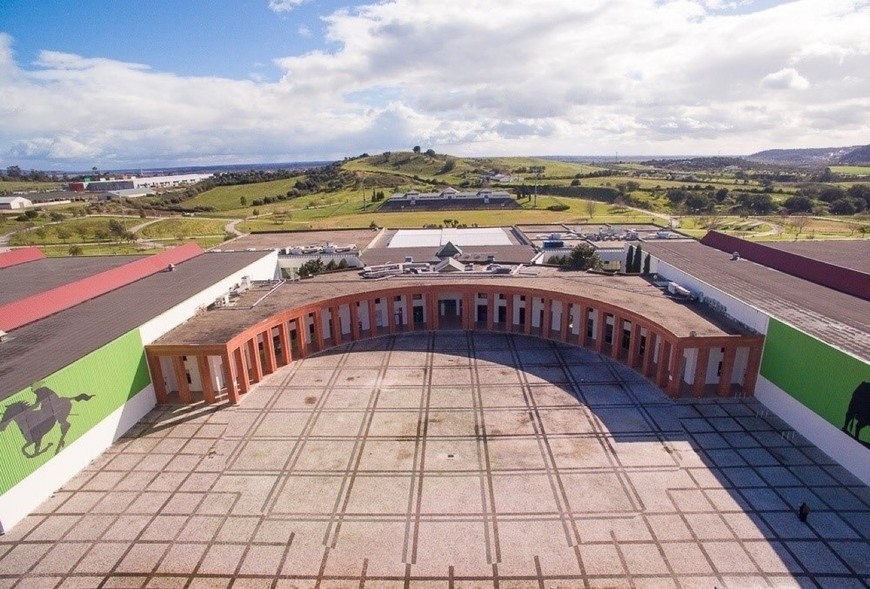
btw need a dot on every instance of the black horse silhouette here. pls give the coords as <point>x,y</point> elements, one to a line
<point>858,413</point>
<point>36,420</point>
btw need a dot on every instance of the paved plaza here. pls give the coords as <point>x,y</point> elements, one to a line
<point>452,459</point>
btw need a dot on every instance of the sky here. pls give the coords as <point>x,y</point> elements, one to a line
<point>151,83</point>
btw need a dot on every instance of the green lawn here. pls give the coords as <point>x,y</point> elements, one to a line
<point>227,198</point>
<point>182,226</point>
<point>853,170</point>
<point>15,186</point>
<point>80,230</point>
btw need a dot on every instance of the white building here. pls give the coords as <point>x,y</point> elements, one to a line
<point>14,203</point>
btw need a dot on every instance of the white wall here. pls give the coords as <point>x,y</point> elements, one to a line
<point>262,269</point>
<point>27,495</point>
<point>851,454</point>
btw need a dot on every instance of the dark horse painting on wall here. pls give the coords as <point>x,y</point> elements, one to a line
<point>858,413</point>
<point>37,420</point>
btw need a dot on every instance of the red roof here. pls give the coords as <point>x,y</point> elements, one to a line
<point>20,256</point>
<point>39,306</point>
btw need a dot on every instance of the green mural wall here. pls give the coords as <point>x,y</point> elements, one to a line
<point>81,395</point>
<point>819,376</point>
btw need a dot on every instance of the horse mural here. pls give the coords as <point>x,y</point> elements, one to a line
<point>858,413</point>
<point>36,420</point>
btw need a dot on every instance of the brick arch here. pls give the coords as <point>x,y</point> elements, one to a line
<point>679,365</point>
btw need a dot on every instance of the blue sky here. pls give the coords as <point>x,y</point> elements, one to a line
<point>158,82</point>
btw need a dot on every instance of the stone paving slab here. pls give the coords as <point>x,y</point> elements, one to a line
<point>451,460</point>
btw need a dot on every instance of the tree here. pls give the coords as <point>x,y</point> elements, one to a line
<point>63,233</point>
<point>646,264</point>
<point>629,259</point>
<point>590,208</point>
<point>583,257</point>
<point>311,268</point>
<point>243,201</point>
<point>117,229</point>
<point>798,204</point>
<point>844,206</point>
<point>430,152</point>
<point>56,217</point>
<point>831,194</point>
<point>75,250</point>
<point>638,254</point>
<point>416,149</point>
<point>13,171</point>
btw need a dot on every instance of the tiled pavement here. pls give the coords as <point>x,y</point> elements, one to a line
<point>453,459</point>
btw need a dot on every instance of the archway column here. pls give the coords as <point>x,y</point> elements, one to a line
<point>675,371</point>
<point>391,315</point>
<point>752,366</point>
<point>601,317</point>
<point>616,338</point>
<point>335,315</point>
<point>634,345</point>
<point>184,394</point>
<point>409,311</point>
<point>269,352</point>
<point>205,376</point>
<point>583,335</point>
<point>491,309</point>
<point>157,378</point>
<point>701,364</point>
<point>241,364</point>
<point>726,374</point>
<point>284,337</point>
<point>230,377</point>
<point>662,360</point>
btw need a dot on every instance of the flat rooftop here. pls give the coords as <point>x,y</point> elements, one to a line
<point>31,278</point>
<point>847,253</point>
<point>834,317</point>
<point>272,241</point>
<point>633,293</point>
<point>39,349</point>
<point>522,463</point>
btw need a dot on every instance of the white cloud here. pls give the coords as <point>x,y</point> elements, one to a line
<point>304,31</point>
<point>785,79</point>
<point>280,6</point>
<point>507,77</point>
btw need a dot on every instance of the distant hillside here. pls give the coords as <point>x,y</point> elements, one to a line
<point>820,157</point>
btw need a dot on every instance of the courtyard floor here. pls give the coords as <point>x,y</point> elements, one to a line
<point>452,460</point>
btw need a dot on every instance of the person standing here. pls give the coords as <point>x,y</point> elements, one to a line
<point>803,512</point>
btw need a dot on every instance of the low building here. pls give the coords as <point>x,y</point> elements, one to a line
<point>14,203</point>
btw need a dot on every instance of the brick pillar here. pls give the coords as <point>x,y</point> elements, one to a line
<point>409,310</point>
<point>373,324</point>
<point>530,308</point>
<point>319,336</point>
<point>256,365</point>
<point>634,345</point>
<point>391,315</point>
<point>582,336</point>
<point>662,362</point>
<point>436,319</point>
<point>157,378</point>
<point>302,334</point>
<point>491,310</point>
<point>468,310</point>
<point>547,323</point>
<point>242,369</point>
<point>230,378</point>
<point>723,389</point>
<point>675,371</point>
<point>616,343</point>
<point>335,313</point>
<point>269,352</point>
<point>206,379</point>
<point>354,320</point>
<point>752,367</point>
<point>509,312</point>
<point>284,336</point>
<point>181,378</point>
<point>565,320</point>
<point>601,317</point>
<point>701,371</point>
<point>648,352</point>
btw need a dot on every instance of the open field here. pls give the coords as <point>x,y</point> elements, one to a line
<point>78,230</point>
<point>15,186</point>
<point>853,170</point>
<point>175,226</point>
<point>226,198</point>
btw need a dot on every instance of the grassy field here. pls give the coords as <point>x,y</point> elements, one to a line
<point>79,230</point>
<point>182,226</point>
<point>14,186</point>
<point>227,198</point>
<point>576,213</point>
<point>853,170</point>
